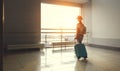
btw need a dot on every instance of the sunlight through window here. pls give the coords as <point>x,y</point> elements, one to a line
<point>58,16</point>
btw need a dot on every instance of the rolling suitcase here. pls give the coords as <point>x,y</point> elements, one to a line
<point>80,50</point>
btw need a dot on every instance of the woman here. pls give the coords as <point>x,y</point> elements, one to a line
<point>80,30</point>
<point>80,49</point>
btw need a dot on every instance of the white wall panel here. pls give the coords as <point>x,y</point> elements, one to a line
<point>106,19</point>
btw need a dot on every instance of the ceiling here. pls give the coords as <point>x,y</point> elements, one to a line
<point>71,1</point>
<point>75,1</point>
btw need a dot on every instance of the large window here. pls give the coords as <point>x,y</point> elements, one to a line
<point>57,16</point>
<point>56,19</point>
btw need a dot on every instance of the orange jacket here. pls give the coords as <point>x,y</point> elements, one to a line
<point>80,29</point>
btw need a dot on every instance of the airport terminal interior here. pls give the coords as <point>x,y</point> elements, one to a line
<point>39,35</point>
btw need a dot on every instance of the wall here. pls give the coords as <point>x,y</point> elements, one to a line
<point>1,35</point>
<point>87,18</point>
<point>105,22</point>
<point>22,22</point>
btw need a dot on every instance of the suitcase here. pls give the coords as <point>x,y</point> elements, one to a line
<point>80,50</point>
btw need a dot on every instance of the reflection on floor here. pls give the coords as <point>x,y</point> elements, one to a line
<point>62,60</point>
<point>25,60</point>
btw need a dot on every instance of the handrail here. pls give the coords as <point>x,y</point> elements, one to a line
<point>58,36</point>
<point>56,29</point>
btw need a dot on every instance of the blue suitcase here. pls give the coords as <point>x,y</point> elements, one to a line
<point>80,50</point>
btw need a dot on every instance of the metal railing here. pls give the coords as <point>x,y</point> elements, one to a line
<point>49,36</point>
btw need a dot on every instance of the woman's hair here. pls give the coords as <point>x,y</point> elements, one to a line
<point>79,17</point>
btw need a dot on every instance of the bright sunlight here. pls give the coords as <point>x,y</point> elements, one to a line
<point>58,16</point>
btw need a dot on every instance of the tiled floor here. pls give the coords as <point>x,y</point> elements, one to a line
<point>65,60</point>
